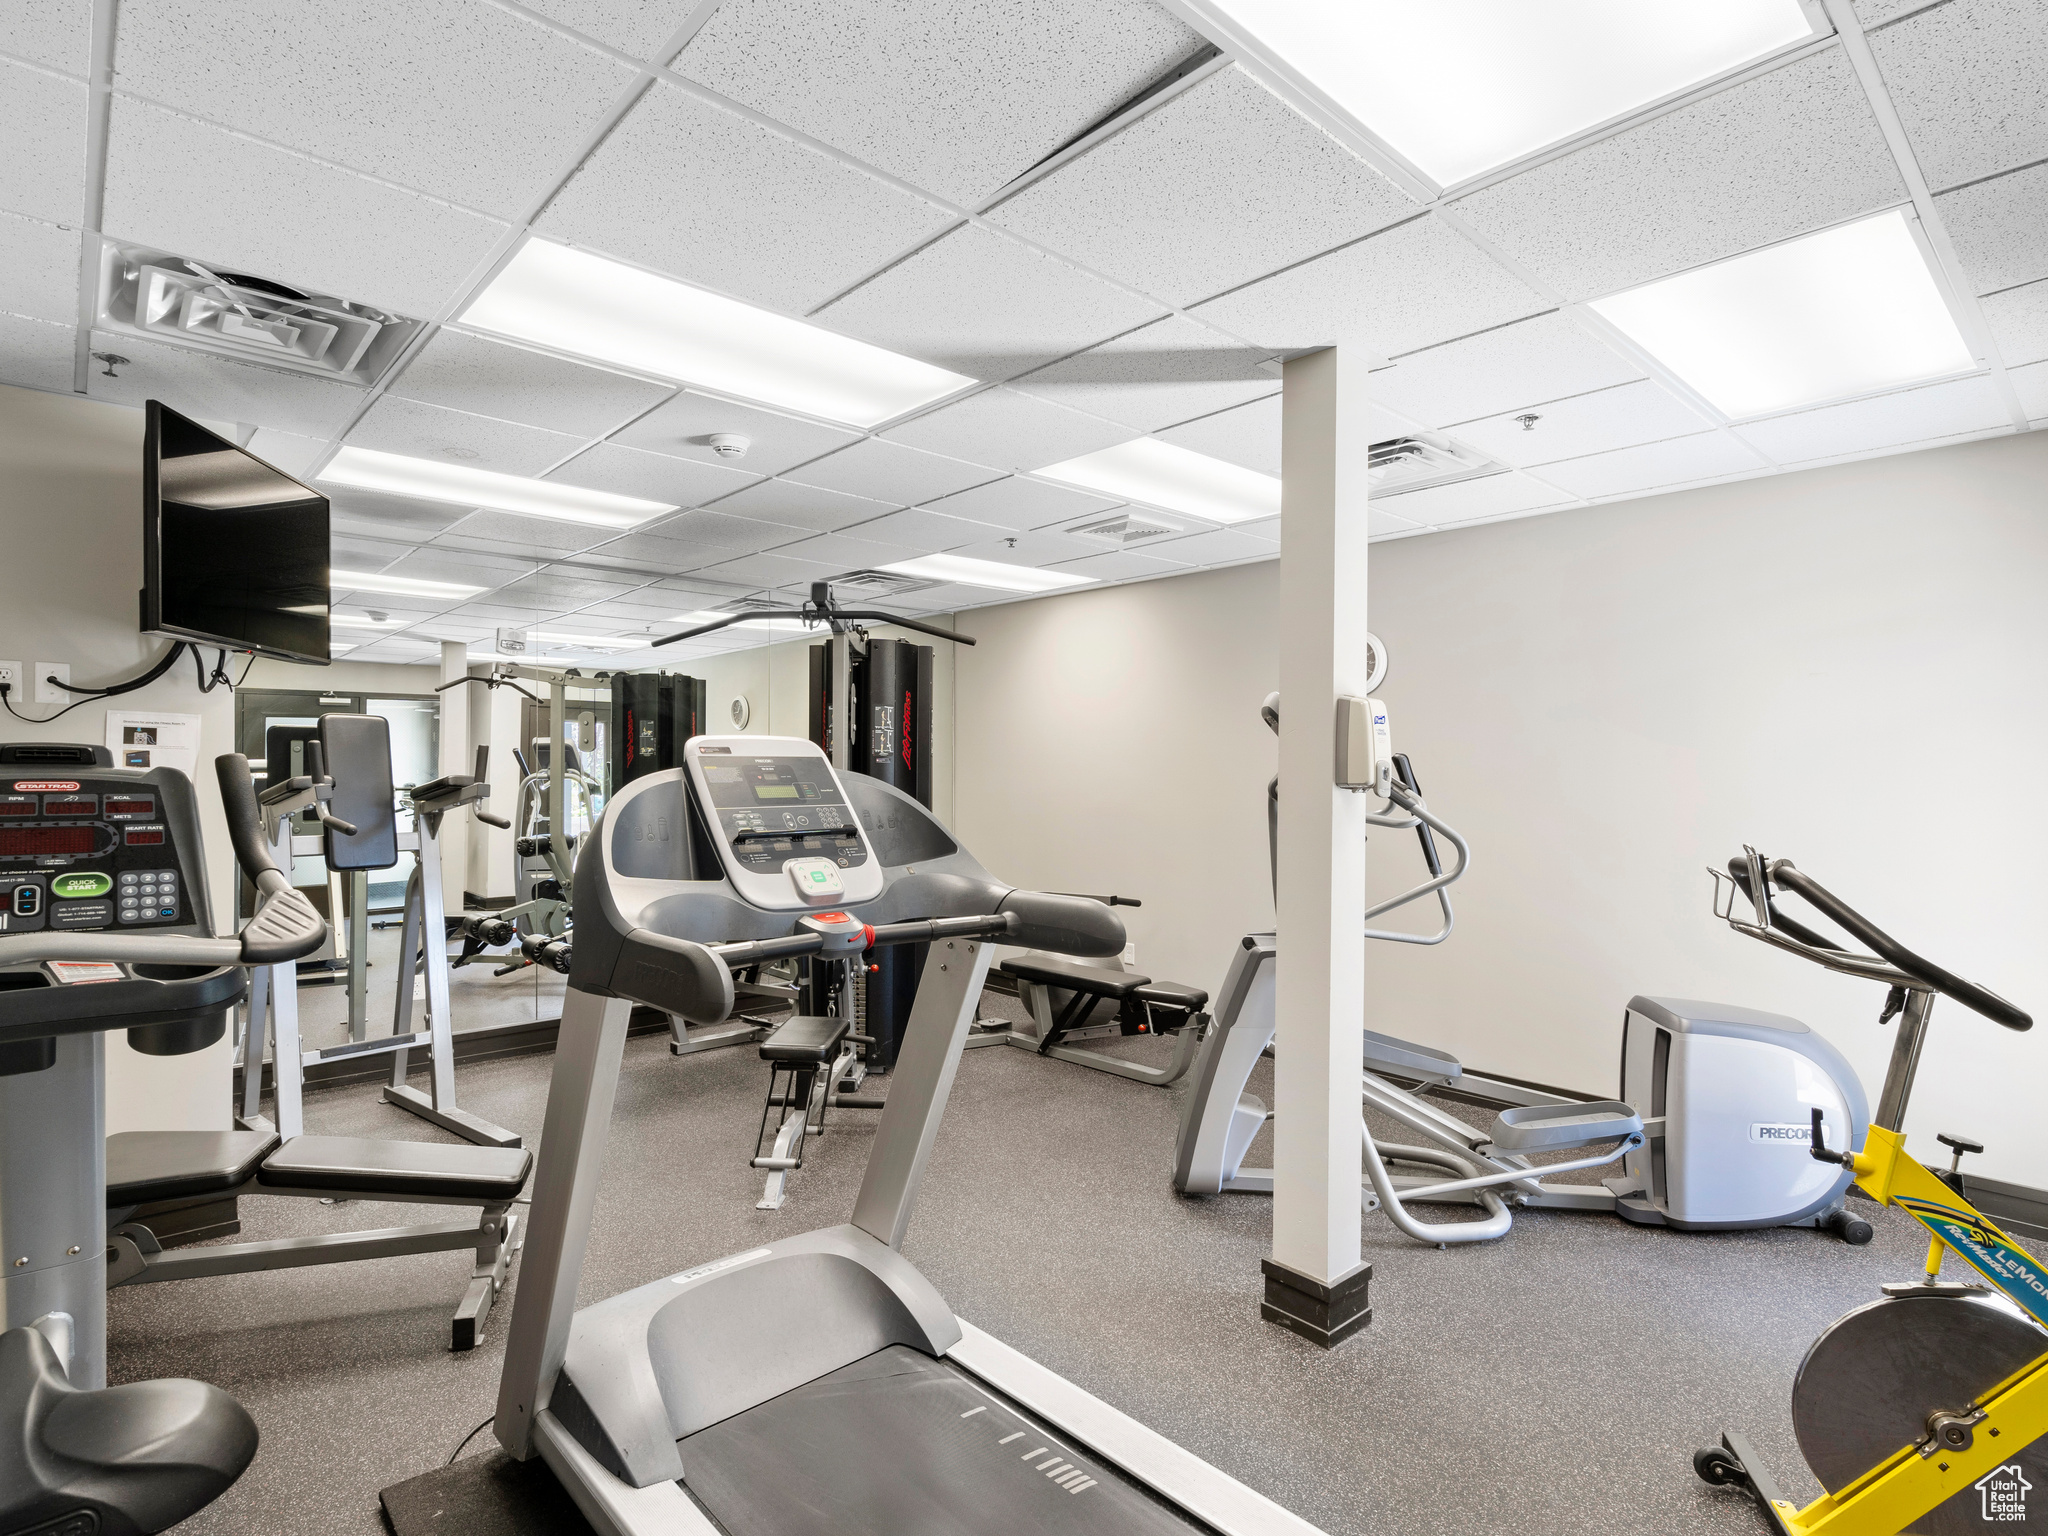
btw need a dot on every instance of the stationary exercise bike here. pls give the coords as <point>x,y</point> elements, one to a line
<point>1925,1410</point>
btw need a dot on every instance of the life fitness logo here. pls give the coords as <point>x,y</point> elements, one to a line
<point>44,786</point>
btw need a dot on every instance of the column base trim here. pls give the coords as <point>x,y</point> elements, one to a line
<point>1323,1312</point>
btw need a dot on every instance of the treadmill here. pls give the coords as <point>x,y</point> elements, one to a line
<point>816,1383</point>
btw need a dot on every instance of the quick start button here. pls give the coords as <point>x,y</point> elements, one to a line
<point>81,886</point>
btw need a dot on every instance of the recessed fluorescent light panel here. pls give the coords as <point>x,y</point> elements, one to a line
<point>1178,479</point>
<point>430,480</point>
<point>1845,312</point>
<point>364,581</point>
<point>1461,86</point>
<point>987,573</point>
<point>575,302</point>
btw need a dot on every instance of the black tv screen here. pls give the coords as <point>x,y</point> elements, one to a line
<point>234,552</point>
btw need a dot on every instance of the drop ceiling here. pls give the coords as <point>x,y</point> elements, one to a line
<point>1112,215</point>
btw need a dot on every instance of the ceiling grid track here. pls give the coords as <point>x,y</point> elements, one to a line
<point>99,109</point>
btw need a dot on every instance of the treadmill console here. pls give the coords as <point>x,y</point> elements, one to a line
<point>786,835</point>
<point>93,848</point>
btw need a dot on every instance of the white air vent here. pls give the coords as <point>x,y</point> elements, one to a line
<point>879,584</point>
<point>175,299</point>
<point>1422,459</point>
<point>1125,527</point>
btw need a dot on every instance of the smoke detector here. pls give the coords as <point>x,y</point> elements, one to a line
<point>1423,459</point>
<point>729,445</point>
<point>188,303</point>
<point>1125,526</point>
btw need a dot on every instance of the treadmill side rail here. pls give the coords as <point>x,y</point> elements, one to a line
<point>1176,1474</point>
<point>613,1508</point>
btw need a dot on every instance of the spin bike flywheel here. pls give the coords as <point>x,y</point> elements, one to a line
<point>1870,1383</point>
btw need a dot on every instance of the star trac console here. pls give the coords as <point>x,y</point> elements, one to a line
<point>91,846</point>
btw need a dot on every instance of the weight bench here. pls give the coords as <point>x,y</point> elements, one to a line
<point>147,1168</point>
<point>1062,996</point>
<point>802,1047</point>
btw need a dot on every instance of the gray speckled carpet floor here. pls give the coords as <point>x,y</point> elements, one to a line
<point>1556,1381</point>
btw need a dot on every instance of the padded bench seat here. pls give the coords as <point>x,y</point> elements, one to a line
<point>146,1166</point>
<point>1171,994</point>
<point>807,1039</point>
<point>1095,980</point>
<point>417,1170</point>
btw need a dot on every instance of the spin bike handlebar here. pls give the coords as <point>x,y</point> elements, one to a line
<point>1893,962</point>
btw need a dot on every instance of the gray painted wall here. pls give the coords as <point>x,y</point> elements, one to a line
<point>1843,666</point>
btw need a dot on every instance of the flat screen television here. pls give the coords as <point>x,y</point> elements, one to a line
<point>234,552</point>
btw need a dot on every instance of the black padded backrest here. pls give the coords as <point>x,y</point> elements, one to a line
<point>358,749</point>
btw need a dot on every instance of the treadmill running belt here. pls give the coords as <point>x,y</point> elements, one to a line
<point>899,1444</point>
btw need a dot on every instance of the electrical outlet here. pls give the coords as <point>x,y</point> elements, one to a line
<point>10,674</point>
<point>47,693</point>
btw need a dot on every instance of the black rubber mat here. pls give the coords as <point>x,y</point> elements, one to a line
<point>490,1495</point>
<point>899,1444</point>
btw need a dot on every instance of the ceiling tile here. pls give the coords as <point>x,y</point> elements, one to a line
<point>56,33</point>
<point>709,536</point>
<point>682,427</point>
<point>203,385</point>
<point>638,27</point>
<point>1019,503</point>
<point>692,189</point>
<point>1411,286</point>
<point>651,476</point>
<point>556,592</point>
<point>1873,12</point>
<point>848,553</point>
<point>512,383</point>
<point>1222,184</point>
<point>949,597</point>
<point>321,228</point>
<point>1047,546</point>
<point>985,306</point>
<point>2032,383</point>
<point>1966,78</point>
<point>1267,528</point>
<point>1794,150</point>
<point>42,123</point>
<point>486,569</point>
<point>393,425</point>
<point>1384,525</point>
<point>470,103</point>
<point>889,472</point>
<point>1120,565</point>
<point>1221,547</point>
<point>492,614</point>
<point>1485,497</point>
<point>1009,430</point>
<point>976,95</point>
<point>1155,376</point>
<point>1890,421</point>
<point>802,506</point>
<point>929,533</point>
<point>629,613</point>
<point>757,571</point>
<point>1524,364</point>
<point>653,554</point>
<point>353,553</point>
<point>2019,322</point>
<point>36,354</point>
<point>1996,226</point>
<point>1620,417</point>
<point>1248,436</point>
<point>38,270</point>
<point>537,538</point>
<point>381,516</point>
<point>1652,466</point>
<point>292,452</point>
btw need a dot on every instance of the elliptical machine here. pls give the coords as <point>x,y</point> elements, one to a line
<point>82,952</point>
<point>1927,1409</point>
<point>1727,1093</point>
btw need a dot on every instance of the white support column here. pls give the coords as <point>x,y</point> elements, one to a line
<point>456,755</point>
<point>1315,1284</point>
